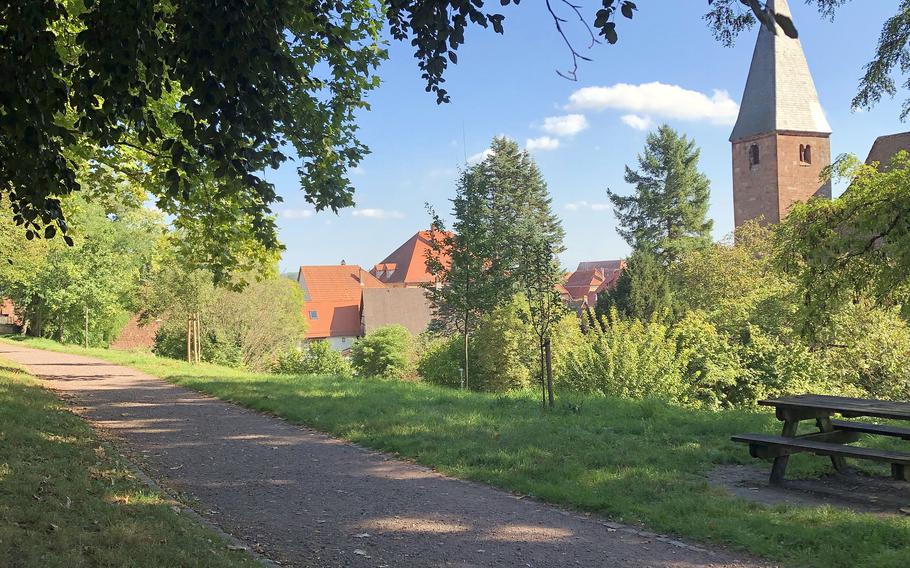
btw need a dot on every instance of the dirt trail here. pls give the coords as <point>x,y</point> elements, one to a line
<point>306,499</point>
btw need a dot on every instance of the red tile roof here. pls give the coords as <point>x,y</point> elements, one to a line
<point>885,147</point>
<point>592,278</point>
<point>407,266</point>
<point>334,294</point>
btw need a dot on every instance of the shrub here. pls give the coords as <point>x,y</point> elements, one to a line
<point>440,361</point>
<point>629,359</point>
<point>316,358</point>
<point>870,352</point>
<point>780,366</point>
<point>712,367</point>
<point>504,351</point>
<point>215,346</point>
<point>387,352</point>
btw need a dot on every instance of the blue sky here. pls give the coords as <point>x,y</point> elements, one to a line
<point>507,85</point>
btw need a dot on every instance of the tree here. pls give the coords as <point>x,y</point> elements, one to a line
<point>642,291</point>
<point>201,96</point>
<point>500,204</point>
<point>668,212</point>
<point>540,275</point>
<point>464,287</point>
<point>856,246</point>
<point>82,293</point>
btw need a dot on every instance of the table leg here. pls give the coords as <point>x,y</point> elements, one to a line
<point>824,425</point>
<point>780,462</point>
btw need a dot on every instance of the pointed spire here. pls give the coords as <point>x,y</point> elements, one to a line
<point>780,93</point>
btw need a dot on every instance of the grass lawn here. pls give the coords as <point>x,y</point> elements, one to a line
<point>66,500</point>
<point>633,461</point>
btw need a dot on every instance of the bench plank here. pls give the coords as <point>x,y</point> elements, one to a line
<point>866,428</point>
<point>843,405</point>
<point>825,448</point>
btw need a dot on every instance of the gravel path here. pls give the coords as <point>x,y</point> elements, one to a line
<point>305,499</point>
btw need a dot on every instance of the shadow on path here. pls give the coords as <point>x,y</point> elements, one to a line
<point>307,499</point>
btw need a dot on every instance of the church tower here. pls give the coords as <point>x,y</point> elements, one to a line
<point>781,138</point>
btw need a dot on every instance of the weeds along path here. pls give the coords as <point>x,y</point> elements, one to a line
<point>306,499</point>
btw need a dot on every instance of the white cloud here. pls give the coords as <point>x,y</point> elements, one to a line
<point>579,205</point>
<point>637,122</point>
<point>566,125</point>
<point>542,143</point>
<point>660,100</point>
<point>296,213</point>
<point>369,213</point>
<point>480,156</point>
<point>358,171</point>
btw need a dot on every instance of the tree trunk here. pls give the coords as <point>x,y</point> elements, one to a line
<point>543,380</point>
<point>550,374</point>
<point>466,358</point>
<point>189,339</point>
<point>85,334</point>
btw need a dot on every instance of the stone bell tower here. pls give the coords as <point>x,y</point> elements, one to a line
<point>781,138</point>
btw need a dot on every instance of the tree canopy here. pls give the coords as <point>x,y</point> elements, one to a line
<point>668,211</point>
<point>199,97</point>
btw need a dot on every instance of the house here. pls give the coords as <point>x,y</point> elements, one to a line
<point>333,300</point>
<point>582,287</point>
<point>406,267</point>
<point>409,307</point>
<point>9,323</point>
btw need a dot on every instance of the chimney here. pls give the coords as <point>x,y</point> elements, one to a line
<point>360,277</point>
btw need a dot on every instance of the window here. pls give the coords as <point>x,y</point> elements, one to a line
<point>313,314</point>
<point>805,154</point>
<point>754,158</point>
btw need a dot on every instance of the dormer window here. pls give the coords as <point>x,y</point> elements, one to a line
<point>313,315</point>
<point>805,154</point>
<point>754,157</point>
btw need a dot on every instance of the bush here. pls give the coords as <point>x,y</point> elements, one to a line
<point>713,370</point>
<point>870,352</point>
<point>440,361</point>
<point>780,366</point>
<point>504,351</point>
<point>387,352</point>
<point>316,358</point>
<point>215,346</point>
<point>629,359</point>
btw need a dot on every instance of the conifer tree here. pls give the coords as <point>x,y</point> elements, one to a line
<point>667,214</point>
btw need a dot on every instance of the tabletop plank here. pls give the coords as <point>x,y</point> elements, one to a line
<point>844,405</point>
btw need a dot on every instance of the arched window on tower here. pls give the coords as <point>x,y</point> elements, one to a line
<point>754,158</point>
<point>805,154</point>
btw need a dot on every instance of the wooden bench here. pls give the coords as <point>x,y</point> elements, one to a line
<point>769,446</point>
<point>866,428</point>
<point>833,435</point>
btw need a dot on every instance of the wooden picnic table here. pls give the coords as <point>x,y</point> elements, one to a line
<point>833,435</point>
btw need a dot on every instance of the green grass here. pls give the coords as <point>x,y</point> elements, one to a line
<point>66,500</point>
<point>634,461</point>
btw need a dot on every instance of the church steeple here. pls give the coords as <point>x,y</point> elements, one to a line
<point>780,140</point>
<point>780,93</point>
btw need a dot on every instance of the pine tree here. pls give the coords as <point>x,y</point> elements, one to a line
<point>668,212</point>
